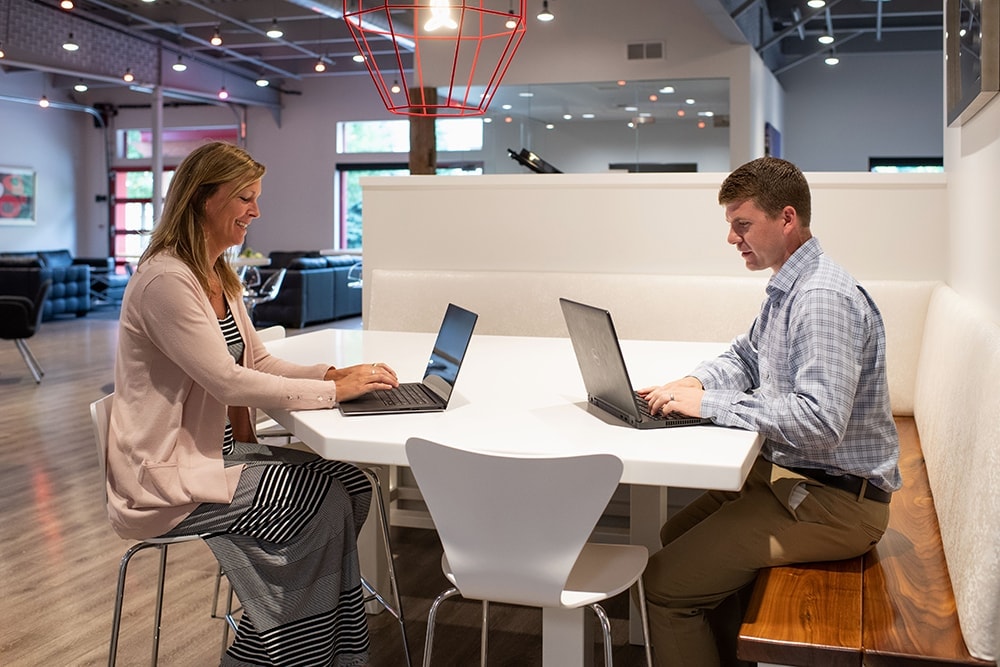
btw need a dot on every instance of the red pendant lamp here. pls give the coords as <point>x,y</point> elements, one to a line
<point>448,57</point>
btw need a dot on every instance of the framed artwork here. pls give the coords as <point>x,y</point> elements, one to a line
<point>972,47</point>
<point>17,196</point>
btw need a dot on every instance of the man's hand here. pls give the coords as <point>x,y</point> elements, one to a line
<point>683,396</point>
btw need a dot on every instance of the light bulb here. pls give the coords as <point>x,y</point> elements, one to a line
<point>274,32</point>
<point>80,87</point>
<point>320,66</point>
<point>440,17</point>
<point>511,21</point>
<point>179,66</point>
<point>216,38</point>
<point>545,14</point>
<point>71,45</point>
<point>832,60</point>
<point>358,58</point>
<point>67,4</point>
<point>44,102</point>
<point>223,93</point>
<point>128,77</point>
<point>394,89</point>
<point>825,39</point>
<point>262,83</point>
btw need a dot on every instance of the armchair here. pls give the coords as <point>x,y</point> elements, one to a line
<point>20,318</point>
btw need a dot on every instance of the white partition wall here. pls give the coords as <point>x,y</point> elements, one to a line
<point>880,226</point>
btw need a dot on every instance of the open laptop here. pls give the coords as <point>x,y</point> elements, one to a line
<point>433,392</point>
<point>603,368</point>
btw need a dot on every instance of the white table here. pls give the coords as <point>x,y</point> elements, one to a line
<point>525,395</point>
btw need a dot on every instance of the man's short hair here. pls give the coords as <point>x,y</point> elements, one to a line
<point>772,184</point>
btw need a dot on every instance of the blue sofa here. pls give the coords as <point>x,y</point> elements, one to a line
<point>315,289</point>
<point>22,273</point>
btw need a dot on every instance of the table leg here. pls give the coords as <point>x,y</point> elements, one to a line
<point>567,637</point>
<point>647,514</point>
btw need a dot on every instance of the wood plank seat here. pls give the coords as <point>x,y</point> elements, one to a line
<point>892,607</point>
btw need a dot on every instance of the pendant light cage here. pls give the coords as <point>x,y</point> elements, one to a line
<point>448,56</point>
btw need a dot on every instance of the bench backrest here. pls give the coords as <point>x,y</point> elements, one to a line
<point>645,307</point>
<point>957,391</point>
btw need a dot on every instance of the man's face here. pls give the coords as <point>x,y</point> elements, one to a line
<point>761,240</point>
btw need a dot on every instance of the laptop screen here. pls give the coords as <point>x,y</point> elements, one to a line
<point>449,350</point>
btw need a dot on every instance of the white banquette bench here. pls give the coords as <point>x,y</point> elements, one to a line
<point>925,594</point>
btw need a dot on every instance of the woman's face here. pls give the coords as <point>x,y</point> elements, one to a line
<point>228,213</point>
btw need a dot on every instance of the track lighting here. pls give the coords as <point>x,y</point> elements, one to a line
<point>545,15</point>
<point>179,66</point>
<point>70,45</point>
<point>274,32</point>
<point>216,37</point>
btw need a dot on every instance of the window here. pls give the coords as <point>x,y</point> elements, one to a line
<point>393,136</point>
<point>177,143</point>
<point>900,165</point>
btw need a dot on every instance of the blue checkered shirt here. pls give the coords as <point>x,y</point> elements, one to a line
<point>810,374</point>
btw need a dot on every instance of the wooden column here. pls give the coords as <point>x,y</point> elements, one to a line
<point>423,143</point>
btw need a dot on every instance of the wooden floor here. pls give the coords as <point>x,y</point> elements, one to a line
<point>59,557</point>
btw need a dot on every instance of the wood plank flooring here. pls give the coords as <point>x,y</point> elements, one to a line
<point>59,557</point>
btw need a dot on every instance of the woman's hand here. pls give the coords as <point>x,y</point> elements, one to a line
<point>683,396</point>
<point>353,381</point>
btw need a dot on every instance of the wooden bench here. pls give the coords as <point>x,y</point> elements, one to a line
<point>892,606</point>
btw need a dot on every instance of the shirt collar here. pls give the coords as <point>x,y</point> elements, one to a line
<point>806,254</point>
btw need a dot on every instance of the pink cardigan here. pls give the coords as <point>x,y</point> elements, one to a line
<point>174,378</point>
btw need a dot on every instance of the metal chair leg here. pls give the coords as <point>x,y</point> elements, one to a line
<point>429,640</point>
<point>120,598</point>
<point>602,616</point>
<point>396,607</point>
<point>484,634</point>
<point>36,369</point>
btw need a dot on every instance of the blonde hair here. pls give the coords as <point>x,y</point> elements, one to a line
<point>180,228</point>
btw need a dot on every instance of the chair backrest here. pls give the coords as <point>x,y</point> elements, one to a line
<point>511,527</point>
<point>39,305</point>
<point>100,417</point>
<point>272,285</point>
<point>268,334</point>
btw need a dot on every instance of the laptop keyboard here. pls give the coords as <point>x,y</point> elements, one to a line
<point>646,414</point>
<point>404,394</point>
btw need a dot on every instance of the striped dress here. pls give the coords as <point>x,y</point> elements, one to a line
<point>288,545</point>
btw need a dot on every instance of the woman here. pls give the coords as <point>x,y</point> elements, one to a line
<point>182,454</point>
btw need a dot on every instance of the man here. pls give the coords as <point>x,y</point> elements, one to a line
<point>810,377</point>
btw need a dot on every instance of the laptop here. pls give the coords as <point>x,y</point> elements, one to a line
<point>433,392</point>
<point>604,373</point>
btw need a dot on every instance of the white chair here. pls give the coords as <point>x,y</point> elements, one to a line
<point>268,291</point>
<point>100,414</point>
<point>515,531</point>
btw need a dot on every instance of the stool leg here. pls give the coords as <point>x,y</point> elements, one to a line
<point>120,599</point>
<point>159,603</point>
<point>29,359</point>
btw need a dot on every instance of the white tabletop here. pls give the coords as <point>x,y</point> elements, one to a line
<point>520,395</point>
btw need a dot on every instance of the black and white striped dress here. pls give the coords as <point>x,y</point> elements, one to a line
<point>288,545</point>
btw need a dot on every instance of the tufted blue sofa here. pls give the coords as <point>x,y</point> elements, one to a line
<point>314,290</point>
<point>21,273</point>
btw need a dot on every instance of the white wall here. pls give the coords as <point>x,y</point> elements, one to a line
<point>641,223</point>
<point>884,106</point>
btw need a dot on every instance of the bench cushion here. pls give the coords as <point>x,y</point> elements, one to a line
<point>645,307</point>
<point>957,391</point>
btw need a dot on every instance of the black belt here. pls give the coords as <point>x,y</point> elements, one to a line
<point>850,483</point>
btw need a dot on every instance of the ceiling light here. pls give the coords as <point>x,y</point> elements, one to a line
<point>3,54</point>
<point>179,66</point>
<point>80,87</point>
<point>440,17</point>
<point>44,102</point>
<point>680,113</point>
<point>526,93</point>
<point>667,90</point>
<point>128,77</point>
<point>831,60</point>
<point>550,126</point>
<point>223,93</point>
<point>66,4</point>
<point>487,119</point>
<point>274,32</point>
<point>701,125</point>
<point>262,83</point>
<point>358,58</point>
<point>395,88</point>
<point>567,116</point>
<point>511,21</point>
<point>216,38</point>
<point>825,39</point>
<point>588,116</point>
<point>320,66</point>
<point>653,97</point>
<point>816,4</point>
<point>71,45</point>
<point>545,15</point>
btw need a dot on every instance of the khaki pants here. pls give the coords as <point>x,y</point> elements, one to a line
<point>714,547</point>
